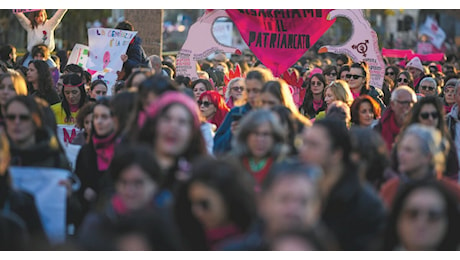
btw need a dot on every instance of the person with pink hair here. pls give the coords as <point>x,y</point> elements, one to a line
<point>212,107</point>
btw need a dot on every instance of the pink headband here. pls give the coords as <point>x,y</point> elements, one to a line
<point>168,98</point>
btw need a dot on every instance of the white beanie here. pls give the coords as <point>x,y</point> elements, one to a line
<point>415,63</point>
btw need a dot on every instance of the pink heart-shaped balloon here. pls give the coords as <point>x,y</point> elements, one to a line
<point>279,38</point>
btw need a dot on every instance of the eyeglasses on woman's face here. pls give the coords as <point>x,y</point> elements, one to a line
<point>204,103</point>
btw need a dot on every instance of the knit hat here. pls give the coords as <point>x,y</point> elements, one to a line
<point>169,98</point>
<point>316,71</point>
<point>415,63</point>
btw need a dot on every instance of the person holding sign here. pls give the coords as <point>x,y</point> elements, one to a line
<point>74,94</point>
<point>39,29</point>
<point>17,206</point>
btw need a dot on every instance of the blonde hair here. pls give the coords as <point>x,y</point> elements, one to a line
<point>341,91</point>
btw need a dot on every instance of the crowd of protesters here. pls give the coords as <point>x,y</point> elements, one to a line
<point>169,163</point>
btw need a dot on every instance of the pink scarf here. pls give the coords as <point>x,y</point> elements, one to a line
<point>317,104</point>
<point>105,148</point>
<point>74,108</point>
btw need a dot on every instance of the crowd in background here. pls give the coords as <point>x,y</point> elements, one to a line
<point>217,163</point>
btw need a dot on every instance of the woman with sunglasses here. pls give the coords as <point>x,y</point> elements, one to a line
<point>424,217</point>
<point>392,72</point>
<point>74,94</point>
<point>236,93</point>
<point>216,205</point>
<point>429,111</point>
<point>212,107</point>
<point>359,81</point>
<point>330,73</point>
<point>313,102</point>
<point>421,154</point>
<point>405,79</point>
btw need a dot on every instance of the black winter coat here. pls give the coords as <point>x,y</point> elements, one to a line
<point>355,214</point>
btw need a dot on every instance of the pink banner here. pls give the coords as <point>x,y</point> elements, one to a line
<point>396,53</point>
<point>428,57</point>
<point>409,54</point>
<point>279,38</point>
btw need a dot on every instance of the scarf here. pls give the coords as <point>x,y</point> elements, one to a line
<point>259,175</point>
<point>104,147</point>
<point>74,108</point>
<point>390,129</point>
<point>216,235</point>
<point>317,104</point>
<point>118,205</point>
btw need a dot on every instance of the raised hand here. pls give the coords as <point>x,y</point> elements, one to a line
<point>200,43</point>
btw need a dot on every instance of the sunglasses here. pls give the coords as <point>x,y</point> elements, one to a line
<point>403,80</point>
<point>12,117</point>
<point>316,83</point>
<point>432,215</point>
<point>333,74</point>
<point>349,76</point>
<point>425,115</point>
<point>389,74</point>
<point>204,103</point>
<point>204,204</point>
<point>430,88</point>
<point>236,88</point>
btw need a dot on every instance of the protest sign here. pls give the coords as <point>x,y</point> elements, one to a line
<point>50,196</point>
<point>200,43</point>
<point>435,34</point>
<point>279,38</point>
<point>66,134</point>
<point>105,49</point>
<point>362,45</point>
<point>79,55</point>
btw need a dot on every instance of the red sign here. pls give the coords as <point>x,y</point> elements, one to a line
<point>279,38</point>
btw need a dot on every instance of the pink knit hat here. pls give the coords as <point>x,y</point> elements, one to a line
<point>171,97</point>
<point>415,63</point>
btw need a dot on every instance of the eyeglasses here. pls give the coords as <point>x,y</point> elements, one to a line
<point>22,117</point>
<point>349,76</point>
<point>403,80</point>
<point>204,103</point>
<point>204,204</point>
<point>425,115</point>
<point>389,73</point>
<point>237,88</point>
<point>430,88</point>
<point>432,215</point>
<point>332,74</point>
